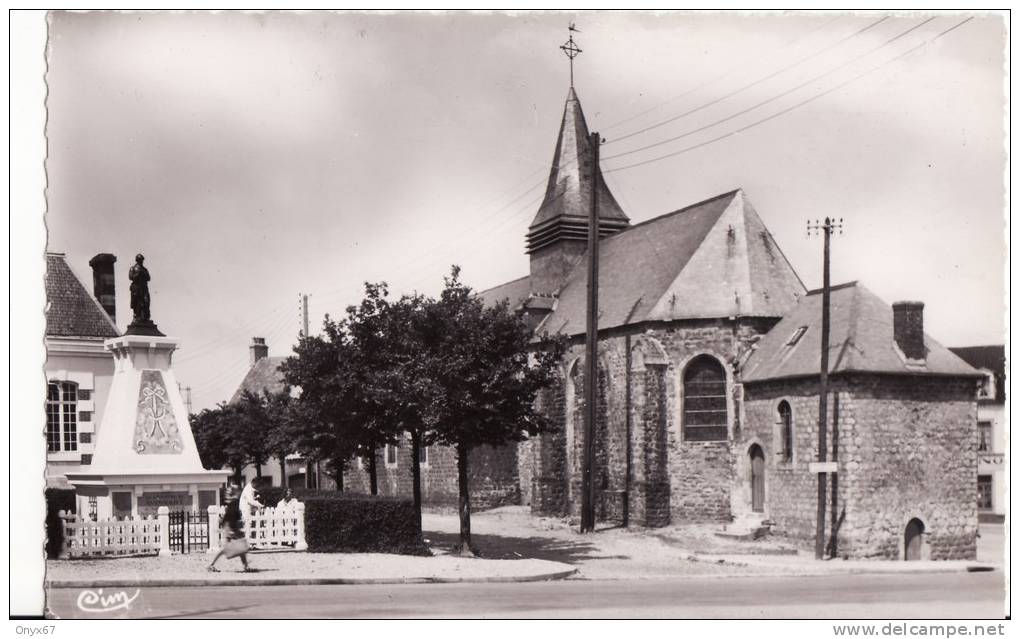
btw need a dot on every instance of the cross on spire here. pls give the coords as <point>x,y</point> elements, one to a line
<point>572,50</point>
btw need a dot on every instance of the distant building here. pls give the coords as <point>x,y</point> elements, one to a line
<point>991,480</point>
<point>79,370</point>
<point>263,375</point>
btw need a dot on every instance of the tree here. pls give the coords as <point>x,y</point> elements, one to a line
<point>485,369</point>
<point>284,435</point>
<point>253,431</point>
<point>215,437</point>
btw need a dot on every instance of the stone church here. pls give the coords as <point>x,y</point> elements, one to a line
<point>709,351</point>
<point>708,380</point>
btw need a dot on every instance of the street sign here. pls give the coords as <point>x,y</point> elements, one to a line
<point>822,467</point>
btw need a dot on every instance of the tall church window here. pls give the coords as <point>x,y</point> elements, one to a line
<point>704,412</point>
<point>61,417</point>
<point>786,430</point>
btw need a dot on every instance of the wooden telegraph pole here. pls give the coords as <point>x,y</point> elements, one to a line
<point>591,373</point>
<point>826,228</point>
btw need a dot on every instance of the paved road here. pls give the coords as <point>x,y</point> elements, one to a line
<point>958,595</point>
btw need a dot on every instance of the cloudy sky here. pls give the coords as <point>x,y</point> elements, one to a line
<point>255,157</point>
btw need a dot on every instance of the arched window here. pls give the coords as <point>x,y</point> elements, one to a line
<point>786,430</point>
<point>62,417</point>
<point>705,416</point>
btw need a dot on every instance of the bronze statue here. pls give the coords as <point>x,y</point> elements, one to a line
<point>139,276</point>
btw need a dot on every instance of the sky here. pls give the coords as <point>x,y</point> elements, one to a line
<point>255,157</point>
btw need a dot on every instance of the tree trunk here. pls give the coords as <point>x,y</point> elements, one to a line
<point>258,470</point>
<point>237,475</point>
<point>283,472</point>
<point>373,473</point>
<point>339,466</point>
<point>416,474</point>
<point>464,502</point>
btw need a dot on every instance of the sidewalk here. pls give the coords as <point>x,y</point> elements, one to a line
<point>296,568</point>
<point>513,546</point>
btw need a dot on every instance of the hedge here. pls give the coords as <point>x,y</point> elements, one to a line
<point>57,499</point>
<point>363,525</point>
<point>338,521</point>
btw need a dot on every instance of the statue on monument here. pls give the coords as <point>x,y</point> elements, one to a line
<point>139,276</point>
<point>142,323</point>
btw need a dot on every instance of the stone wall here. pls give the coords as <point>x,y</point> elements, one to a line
<point>492,476</point>
<point>644,470</point>
<point>906,446</point>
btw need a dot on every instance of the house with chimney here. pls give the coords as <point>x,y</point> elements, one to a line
<point>79,371</point>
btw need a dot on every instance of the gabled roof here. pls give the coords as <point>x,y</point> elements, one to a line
<point>263,375</point>
<point>70,310</point>
<point>860,340</point>
<point>713,259</point>
<point>990,358</point>
<point>565,208</point>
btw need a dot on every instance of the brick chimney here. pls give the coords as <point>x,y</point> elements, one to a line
<point>908,328</point>
<point>103,283</point>
<point>258,349</point>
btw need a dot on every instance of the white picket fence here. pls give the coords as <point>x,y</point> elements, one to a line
<point>277,527</point>
<point>268,528</point>
<point>129,536</point>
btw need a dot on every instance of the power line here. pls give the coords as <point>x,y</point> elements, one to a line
<point>715,80</point>
<point>751,85</point>
<point>790,108</point>
<point>773,98</point>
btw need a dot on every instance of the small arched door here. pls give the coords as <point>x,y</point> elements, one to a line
<point>757,479</point>
<point>912,538</point>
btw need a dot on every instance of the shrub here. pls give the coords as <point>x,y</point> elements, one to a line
<point>57,499</point>
<point>359,524</point>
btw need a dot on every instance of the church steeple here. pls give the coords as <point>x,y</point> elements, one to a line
<point>557,236</point>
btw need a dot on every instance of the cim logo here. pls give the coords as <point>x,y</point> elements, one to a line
<point>96,601</point>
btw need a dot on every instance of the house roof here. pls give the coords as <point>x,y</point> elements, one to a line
<point>991,358</point>
<point>263,375</point>
<point>564,210</point>
<point>709,260</point>
<point>860,340</point>
<point>71,311</point>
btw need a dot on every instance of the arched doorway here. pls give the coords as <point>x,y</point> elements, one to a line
<point>912,539</point>
<point>757,478</point>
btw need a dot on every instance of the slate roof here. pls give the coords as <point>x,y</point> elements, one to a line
<point>263,375</point>
<point>71,311</point>
<point>564,210</point>
<point>860,340</point>
<point>713,259</point>
<point>516,291</point>
<point>992,358</point>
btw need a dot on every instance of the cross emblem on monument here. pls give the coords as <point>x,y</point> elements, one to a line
<point>572,50</point>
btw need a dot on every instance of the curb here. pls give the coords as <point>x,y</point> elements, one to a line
<point>820,571</point>
<point>318,581</point>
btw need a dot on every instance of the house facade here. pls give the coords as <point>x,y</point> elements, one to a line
<point>79,371</point>
<point>990,361</point>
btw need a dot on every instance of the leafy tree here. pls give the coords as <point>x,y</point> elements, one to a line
<point>252,434</point>
<point>485,370</point>
<point>214,431</point>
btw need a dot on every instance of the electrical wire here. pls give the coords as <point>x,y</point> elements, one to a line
<point>790,108</point>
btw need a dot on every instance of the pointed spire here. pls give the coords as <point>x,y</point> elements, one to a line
<point>564,211</point>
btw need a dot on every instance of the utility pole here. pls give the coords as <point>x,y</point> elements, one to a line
<point>591,374</point>
<point>826,228</point>
<point>304,314</point>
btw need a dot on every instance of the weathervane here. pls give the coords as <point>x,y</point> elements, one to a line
<point>572,50</point>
